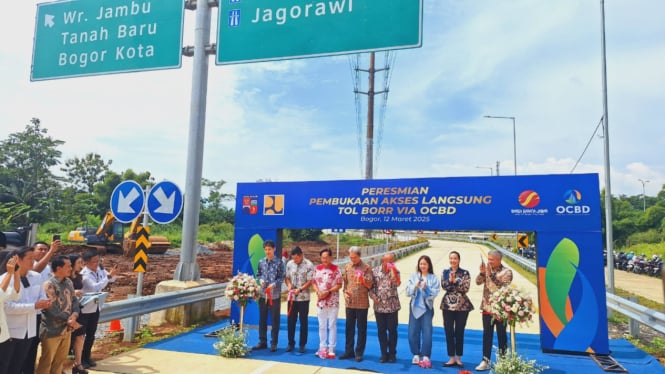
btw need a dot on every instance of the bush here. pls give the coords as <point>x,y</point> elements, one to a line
<point>232,343</point>
<point>651,236</point>
<point>512,363</point>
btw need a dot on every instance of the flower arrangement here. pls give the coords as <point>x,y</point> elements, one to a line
<point>232,342</point>
<point>242,289</point>
<point>511,306</point>
<point>512,363</point>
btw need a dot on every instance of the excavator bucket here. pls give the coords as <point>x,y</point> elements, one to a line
<point>158,245</point>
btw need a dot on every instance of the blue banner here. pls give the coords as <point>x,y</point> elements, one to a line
<point>559,202</point>
<point>564,211</point>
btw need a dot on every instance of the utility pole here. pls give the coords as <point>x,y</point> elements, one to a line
<point>644,196</point>
<point>369,139</point>
<point>369,156</point>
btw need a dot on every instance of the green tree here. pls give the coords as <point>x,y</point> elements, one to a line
<point>10,210</point>
<point>298,235</point>
<point>212,206</point>
<point>84,173</point>
<point>102,191</point>
<point>26,160</point>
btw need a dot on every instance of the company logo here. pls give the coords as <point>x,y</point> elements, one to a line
<point>572,197</point>
<point>273,205</point>
<point>529,199</point>
<point>250,204</point>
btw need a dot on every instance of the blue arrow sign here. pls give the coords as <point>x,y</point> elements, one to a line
<point>164,202</point>
<point>127,201</point>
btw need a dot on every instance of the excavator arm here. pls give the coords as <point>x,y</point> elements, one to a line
<point>105,228</point>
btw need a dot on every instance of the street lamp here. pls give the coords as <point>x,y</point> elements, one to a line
<point>644,196</point>
<point>486,167</point>
<point>514,139</point>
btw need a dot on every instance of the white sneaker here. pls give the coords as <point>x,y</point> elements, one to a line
<point>415,360</point>
<point>483,366</point>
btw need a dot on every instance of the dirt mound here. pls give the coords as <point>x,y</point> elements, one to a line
<point>216,264</point>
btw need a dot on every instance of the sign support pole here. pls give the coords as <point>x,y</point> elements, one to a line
<point>139,282</point>
<point>337,246</point>
<point>188,269</point>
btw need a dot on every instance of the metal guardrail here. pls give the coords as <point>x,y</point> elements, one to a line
<point>634,311</point>
<point>153,303</point>
<point>642,314</point>
<point>117,310</point>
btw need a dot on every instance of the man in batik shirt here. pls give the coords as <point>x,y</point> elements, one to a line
<point>386,305</point>
<point>299,273</point>
<point>358,279</point>
<point>326,283</point>
<point>271,276</point>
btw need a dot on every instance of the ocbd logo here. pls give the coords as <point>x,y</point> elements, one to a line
<point>573,198</point>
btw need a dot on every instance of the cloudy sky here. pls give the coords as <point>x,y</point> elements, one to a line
<point>537,61</point>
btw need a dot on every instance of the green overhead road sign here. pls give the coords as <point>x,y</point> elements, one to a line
<point>86,37</point>
<point>262,30</point>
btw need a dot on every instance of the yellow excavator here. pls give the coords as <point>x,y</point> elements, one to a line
<point>110,237</point>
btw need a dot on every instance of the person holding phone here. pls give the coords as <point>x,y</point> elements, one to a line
<point>21,314</point>
<point>423,287</point>
<point>7,292</point>
<point>456,306</point>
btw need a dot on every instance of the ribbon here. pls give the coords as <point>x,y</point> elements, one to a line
<point>290,299</point>
<point>269,295</point>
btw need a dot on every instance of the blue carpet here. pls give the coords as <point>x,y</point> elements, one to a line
<point>528,346</point>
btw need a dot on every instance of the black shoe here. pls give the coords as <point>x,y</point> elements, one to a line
<point>79,369</point>
<point>289,348</point>
<point>88,363</point>
<point>259,346</point>
<point>383,358</point>
<point>302,349</point>
<point>346,356</point>
<point>359,358</point>
<point>392,359</point>
<point>273,348</point>
<point>449,364</point>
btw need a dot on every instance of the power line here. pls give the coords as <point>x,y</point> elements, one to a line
<point>389,63</point>
<point>587,144</point>
<point>354,65</point>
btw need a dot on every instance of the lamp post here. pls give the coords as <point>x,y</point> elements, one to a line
<point>486,167</point>
<point>514,139</point>
<point>644,196</point>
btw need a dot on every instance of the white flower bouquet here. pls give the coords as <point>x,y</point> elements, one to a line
<point>242,289</point>
<point>509,305</point>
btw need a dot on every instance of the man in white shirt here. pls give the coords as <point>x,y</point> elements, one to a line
<point>22,314</point>
<point>8,293</point>
<point>43,255</point>
<point>95,278</point>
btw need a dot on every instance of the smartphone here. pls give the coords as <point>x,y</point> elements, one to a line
<point>55,237</point>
